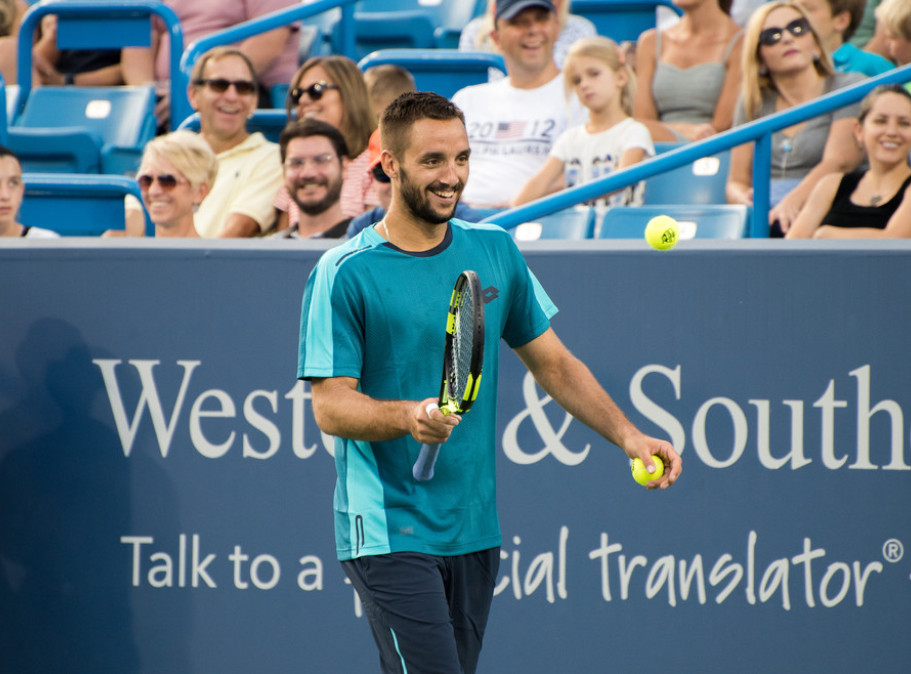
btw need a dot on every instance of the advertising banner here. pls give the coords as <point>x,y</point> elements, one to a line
<point>166,496</point>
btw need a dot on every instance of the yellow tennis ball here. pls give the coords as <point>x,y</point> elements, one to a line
<point>662,232</point>
<point>641,475</point>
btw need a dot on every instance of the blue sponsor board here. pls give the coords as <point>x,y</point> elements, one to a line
<point>165,495</point>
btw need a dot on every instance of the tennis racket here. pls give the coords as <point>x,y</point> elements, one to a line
<point>462,360</point>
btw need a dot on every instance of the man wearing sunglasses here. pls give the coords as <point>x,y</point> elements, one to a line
<point>223,90</point>
<point>314,156</point>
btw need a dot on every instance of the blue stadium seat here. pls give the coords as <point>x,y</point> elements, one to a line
<point>77,205</point>
<point>266,120</point>
<point>711,221</point>
<point>118,121</point>
<point>390,29</point>
<point>443,71</point>
<point>572,223</point>
<point>702,182</point>
<point>621,19</point>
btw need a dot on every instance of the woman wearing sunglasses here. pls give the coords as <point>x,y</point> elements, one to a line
<point>332,90</point>
<point>786,65</point>
<point>175,175</point>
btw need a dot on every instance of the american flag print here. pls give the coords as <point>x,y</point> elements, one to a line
<point>509,130</point>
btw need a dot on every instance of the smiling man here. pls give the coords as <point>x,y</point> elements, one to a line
<point>513,123</point>
<point>223,90</point>
<point>314,159</point>
<point>424,555</point>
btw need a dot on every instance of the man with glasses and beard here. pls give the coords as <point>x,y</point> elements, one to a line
<point>314,157</point>
<point>424,556</point>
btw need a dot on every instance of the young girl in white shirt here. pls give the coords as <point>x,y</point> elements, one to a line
<point>596,71</point>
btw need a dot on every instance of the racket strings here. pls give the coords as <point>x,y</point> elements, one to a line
<point>462,344</point>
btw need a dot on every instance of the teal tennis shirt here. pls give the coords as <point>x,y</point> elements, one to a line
<point>378,314</point>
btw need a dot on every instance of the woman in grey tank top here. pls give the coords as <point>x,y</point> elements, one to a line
<point>688,75</point>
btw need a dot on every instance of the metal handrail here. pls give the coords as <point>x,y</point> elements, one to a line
<point>758,131</point>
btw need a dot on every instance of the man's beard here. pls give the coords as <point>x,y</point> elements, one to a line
<point>312,208</point>
<point>418,202</point>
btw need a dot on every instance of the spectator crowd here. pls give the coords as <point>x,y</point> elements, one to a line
<point>571,107</point>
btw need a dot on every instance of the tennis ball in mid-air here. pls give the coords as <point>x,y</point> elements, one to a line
<point>662,232</point>
<point>641,475</point>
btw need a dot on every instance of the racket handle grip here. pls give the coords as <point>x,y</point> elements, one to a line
<point>423,467</point>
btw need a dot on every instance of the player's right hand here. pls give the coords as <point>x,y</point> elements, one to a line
<point>429,424</point>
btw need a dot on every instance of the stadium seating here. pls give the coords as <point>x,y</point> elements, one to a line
<point>572,223</point>
<point>77,205</point>
<point>70,121</point>
<point>416,24</point>
<point>443,71</point>
<point>622,19</point>
<point>711,221</point>
<point>701,182</point>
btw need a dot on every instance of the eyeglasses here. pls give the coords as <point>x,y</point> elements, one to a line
<point>314,92</point>
<point>166,181</point>
<point>318,161</point>
<point>771,36</point>
<point>220,85</point>
<point>379,174</point>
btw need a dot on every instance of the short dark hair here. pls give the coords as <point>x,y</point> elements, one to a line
<point>855,8</point>
<point>6,152</point>
<point>411,107</point>
<point>305,128</point>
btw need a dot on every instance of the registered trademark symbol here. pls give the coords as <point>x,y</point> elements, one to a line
<point>893,550</point>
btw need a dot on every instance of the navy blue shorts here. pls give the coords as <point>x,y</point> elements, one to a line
<point>427,612</point>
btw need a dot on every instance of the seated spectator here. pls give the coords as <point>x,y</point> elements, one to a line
<point>274,54</point>
<point>314,157</point>
<point>88,68</point>
<point>12,192</point>
<point>784,65</point>
<point>385,83</point>
<point>512,123</point>
<point>895,17</point>
<point>875,203</point>
<point>610,140</point>
<point>476,35</point>
<point>223,90</point>
<point>869,35</point>
<point>332,89</point>
<point>688,75</point>
<point>836,21</point>
<point>176,173</point>
<point>382,186</point>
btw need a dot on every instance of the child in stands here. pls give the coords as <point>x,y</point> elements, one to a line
<point>596,71</point>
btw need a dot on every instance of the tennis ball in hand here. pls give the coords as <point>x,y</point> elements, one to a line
<point>662,232</point>
<point>641,474</point>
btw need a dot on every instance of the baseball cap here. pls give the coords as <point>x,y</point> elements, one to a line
<point>507,9</point>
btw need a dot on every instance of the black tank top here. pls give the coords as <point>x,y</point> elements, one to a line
<point>844,213</point>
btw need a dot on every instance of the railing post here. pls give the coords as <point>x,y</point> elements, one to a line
<point>762,169</point>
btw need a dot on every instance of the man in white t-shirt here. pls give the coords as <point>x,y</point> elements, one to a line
<point>513,123</point>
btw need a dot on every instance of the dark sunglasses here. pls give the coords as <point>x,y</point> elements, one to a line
<point>166,181</point>
<point>379,174</point>
<point>220,85</point>
<point>314,92</point>
<point>771,36</point>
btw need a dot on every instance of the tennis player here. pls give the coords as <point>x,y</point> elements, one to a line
<point>423,556</point>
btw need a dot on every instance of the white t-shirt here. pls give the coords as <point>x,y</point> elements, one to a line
<point>511,132</point>
<point>589,156</point>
